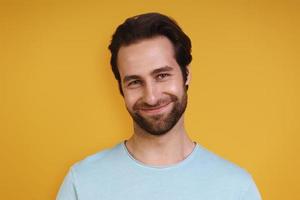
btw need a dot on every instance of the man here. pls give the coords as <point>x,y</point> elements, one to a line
<point>150,60</point>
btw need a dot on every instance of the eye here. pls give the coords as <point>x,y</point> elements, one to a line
<point>162,76</point>
<point>134,83</point>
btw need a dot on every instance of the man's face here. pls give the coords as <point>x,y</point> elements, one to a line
<point>152,83</point>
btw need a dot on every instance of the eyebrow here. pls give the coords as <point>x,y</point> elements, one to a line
<point>162,69</point>
<point>156,71</point>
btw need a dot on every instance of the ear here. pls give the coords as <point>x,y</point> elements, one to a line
<point>189,76</point>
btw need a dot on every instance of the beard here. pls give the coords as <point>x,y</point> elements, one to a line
<point>161,123</point>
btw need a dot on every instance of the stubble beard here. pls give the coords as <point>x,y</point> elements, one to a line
<point>162,123</point>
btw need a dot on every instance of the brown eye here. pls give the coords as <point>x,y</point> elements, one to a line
<point>134,83</point>
<point>162,76</point>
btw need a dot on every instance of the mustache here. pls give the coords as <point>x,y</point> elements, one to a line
<point>143,105</point>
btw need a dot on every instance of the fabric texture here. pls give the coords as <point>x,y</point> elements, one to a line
<point>113,174</point>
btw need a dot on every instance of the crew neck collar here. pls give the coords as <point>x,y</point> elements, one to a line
<point>160,167</point>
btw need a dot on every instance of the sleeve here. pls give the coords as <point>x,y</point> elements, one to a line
<point>251,192</point>
<point>67,190</point>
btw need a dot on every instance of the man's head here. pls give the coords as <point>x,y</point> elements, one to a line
<point>146,26</point>
<point>150,58</point>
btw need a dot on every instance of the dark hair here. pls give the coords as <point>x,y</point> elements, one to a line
<point>146,26</point>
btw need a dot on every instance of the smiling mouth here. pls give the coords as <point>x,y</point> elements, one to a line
<point>155,110</point>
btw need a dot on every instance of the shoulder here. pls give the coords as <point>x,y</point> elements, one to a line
<point>100,160</point>
<point>225,175</point>
<point>221,169</point>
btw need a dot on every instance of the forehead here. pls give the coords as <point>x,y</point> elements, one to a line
<point>145,56</point>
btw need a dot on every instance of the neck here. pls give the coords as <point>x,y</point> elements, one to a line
<point>170,148</point>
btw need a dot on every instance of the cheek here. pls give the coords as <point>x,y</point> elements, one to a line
<point>174,87</point>
<point>130,99</point>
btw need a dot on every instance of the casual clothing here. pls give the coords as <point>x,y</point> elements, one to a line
<point>113,174</point>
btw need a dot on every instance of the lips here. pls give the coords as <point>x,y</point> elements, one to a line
<point>156,110</point>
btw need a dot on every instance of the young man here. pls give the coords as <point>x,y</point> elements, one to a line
<point>150,60</point>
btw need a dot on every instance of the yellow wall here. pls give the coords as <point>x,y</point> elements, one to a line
<point>59,101</point>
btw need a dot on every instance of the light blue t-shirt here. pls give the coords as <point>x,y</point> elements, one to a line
<point>113,174</point>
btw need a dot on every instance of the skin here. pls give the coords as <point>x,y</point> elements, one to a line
<point>150,75</point>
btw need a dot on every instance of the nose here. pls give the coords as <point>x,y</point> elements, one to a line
<point>151,94</point>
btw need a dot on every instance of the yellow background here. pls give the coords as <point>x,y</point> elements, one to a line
<point>60,102</point>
